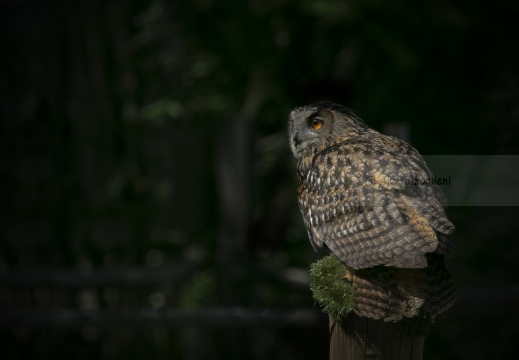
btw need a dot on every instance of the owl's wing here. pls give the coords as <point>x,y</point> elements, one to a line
<point>373,206</point>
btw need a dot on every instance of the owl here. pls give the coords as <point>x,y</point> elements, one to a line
<point>371,199</point>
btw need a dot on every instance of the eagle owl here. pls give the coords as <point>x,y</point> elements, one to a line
<point>371,200</point>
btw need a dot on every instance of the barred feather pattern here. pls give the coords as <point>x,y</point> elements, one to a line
<point>368,197</point>
<point>393,293</point>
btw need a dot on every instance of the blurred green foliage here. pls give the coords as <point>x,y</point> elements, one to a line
<point>200,291</point>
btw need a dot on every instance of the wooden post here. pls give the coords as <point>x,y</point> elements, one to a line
<point>357,338</point>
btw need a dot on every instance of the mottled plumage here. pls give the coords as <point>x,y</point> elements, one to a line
<point>369,198</point>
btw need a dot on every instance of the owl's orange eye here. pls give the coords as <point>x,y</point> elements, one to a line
<point>316,124</point>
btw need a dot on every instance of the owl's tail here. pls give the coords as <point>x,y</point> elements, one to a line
<point>392,293</point>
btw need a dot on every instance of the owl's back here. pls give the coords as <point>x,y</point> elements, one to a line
<point>368,200</point>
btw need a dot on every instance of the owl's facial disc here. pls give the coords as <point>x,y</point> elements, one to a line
<point>307,128</point>
<point>304,137</point>
<point>314,127</point>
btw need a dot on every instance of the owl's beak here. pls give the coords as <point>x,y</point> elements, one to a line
<point>296,139</point>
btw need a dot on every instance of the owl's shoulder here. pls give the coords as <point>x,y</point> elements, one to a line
<point>370,146</point>
<point>377,158</point>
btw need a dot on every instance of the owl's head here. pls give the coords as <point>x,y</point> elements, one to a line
<point>313,128</point>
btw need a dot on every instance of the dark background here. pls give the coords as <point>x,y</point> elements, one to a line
<point>148,187</point>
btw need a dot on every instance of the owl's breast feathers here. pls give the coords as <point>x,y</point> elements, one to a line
<point>371,201</point>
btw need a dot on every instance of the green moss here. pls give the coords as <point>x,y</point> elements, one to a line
<point>334,294</point>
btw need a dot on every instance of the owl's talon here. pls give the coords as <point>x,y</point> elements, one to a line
<point>349,276</point>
